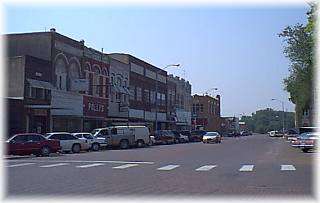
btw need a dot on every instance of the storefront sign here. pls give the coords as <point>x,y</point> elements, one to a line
<point>95,107</point>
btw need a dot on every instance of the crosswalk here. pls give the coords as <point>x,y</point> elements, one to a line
<point>204,168</point>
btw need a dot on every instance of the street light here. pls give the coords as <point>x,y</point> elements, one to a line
<point>167,66</point>
<point>282,103</point>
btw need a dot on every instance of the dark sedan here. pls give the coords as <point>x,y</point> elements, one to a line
<point>31,143</point>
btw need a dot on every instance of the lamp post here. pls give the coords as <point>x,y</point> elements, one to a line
<point>167,66</point>
<point>283,122</point>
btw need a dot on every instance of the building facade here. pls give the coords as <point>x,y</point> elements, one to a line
<point>179,101</point>
<point>206,112</point>
<point>67,86</point>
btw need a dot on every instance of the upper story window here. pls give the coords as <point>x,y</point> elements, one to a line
<point>61,72</point>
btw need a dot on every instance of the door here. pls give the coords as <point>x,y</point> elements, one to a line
<point>16,145</point>
<point>106,134</point>
<point>33,143</point>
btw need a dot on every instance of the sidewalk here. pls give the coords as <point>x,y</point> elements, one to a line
<point>11,157</point>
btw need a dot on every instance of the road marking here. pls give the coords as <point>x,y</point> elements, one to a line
<point>89,165</point>
<point>246,168</point>
<point>125,166</point>
<point>79,161</point>
<point>206,168</point>
<point>287,168</point>
<point>168,168</point>
<point>24,164</point>
<point>53,165</point>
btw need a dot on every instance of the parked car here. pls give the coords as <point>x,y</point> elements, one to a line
<point>306,141</point>
<point>180,138</point>
<point>124,136</point>
<point>275,133</point>
<point>31,143</point>
<point>291,134</point>
<point>164,137</point>
<point>210,137</point>
<point>245,133</point>
<point>196,135</point>
<point>95,143</point>
<point>69,142</point>
<point>186,133</point>
<point>152,140</point>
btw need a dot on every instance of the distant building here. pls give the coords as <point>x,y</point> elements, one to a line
<point>206,112</point>
<point>179,102</point>
<point>229,125</point>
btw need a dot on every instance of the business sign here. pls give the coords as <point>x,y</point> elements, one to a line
<point>80,85</point>
<point>94,107</point>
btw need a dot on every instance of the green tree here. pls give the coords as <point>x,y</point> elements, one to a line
<point>299,49</point>
<point>266,120</point>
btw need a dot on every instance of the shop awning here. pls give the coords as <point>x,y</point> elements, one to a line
<point>40,84</point>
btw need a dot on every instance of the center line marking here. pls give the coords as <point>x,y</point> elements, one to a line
<point>168,167</point>
<point>82,161</point>
<point>89,165</point>
<point>53,165</point>
<point>206,168</point>
<point>24,164</point>
<point>287,168</point>
<point>125,166</point>
<point>247,168</point>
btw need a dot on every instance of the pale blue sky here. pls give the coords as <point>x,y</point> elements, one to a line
<point>235,49</point>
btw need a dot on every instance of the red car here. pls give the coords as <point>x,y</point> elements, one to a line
<point>31,143</point>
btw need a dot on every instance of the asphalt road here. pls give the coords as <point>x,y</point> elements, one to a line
<point>257,166</point>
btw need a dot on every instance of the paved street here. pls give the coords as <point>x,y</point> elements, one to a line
<point>254,165</point>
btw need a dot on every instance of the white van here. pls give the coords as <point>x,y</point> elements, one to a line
<point>124,136</point>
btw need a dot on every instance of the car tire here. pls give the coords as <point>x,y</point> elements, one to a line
<point>305,150</point>
<point>95,147</point>
<point>124,144</point>
<point>45,151</point>
<point>140,143</point>
<point>76,148</point>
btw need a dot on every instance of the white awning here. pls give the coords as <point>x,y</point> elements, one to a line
<point>40,84</point>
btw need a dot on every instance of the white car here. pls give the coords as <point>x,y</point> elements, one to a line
<point>184,138</point>
<point>69,142</point>
<point>95,143</point>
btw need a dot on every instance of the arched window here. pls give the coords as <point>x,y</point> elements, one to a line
<point>97,80</point>
<point>74,72</point>
<point>61,72</point>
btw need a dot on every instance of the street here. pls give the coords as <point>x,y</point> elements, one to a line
<point>255,165</point>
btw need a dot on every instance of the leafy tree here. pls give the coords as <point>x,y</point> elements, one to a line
<point>299,49</point>
<point>266,120</point>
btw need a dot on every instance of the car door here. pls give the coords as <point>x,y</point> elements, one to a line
<point>69,140</point>
<point>106,134</point>
<point>33,143</point>
<point>16,145</point>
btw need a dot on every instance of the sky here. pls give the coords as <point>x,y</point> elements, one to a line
<point>234,49</point>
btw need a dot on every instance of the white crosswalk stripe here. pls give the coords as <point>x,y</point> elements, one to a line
<point>53,165</point>
<point>287,168</point>
<point>206,168</point>
<point>246,168</point>
<point>24,164</point>
<point>125,166</point>
<point>168,167</point>
<point>89,165</point>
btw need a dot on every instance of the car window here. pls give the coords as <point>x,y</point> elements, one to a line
<point>55,137</point>
<point>78,135</point>
<point>20,139</point>
<point>87,136</point>
<point>34,138</point>
<point>70,137</point>
<point>104,132</point>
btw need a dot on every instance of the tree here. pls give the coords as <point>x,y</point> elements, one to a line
<point>266,120</point>
<point>299,49</point>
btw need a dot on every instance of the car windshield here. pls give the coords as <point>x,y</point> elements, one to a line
<point>94,131</point>
<point>211,134</point>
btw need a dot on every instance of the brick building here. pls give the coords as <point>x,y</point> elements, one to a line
<point>206,112</point>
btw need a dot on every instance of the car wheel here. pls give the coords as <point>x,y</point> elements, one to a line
<point>76,148</point>
<point>95,146</point>
<point>45,151</point>
<point>124,144</point>
<point>305,150</point>
<point>140,143</point>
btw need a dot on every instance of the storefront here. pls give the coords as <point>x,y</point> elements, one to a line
<point>66,111</point>
<point>95,112</point>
